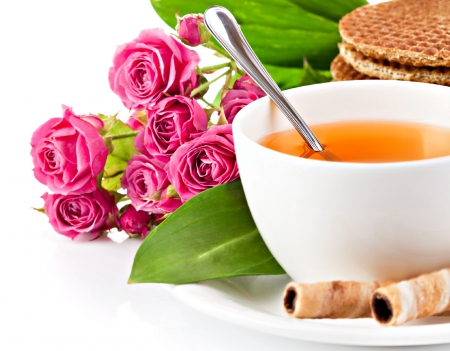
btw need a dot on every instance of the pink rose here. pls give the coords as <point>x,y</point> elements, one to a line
<point>145,179</point>
<point>192,30</point>
<point>135,222</point>
<point>171,123</point>
<point>75,214</point>
<point>68,153</point>
<point>236,100</point>
<point>204,162</point>
<point>150,67</point>
<point>247,83</point>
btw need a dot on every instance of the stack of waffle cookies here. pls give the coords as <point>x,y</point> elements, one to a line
<point>401,40</point>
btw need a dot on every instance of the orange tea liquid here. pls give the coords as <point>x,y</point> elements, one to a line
<point>367,141</point>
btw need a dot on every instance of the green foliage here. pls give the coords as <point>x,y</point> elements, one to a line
<point>288,77</point>
<point>108,123</point>
<point>213,235</point>
<point>282,32</point>
<point>122,151</point>
<point>311,76</point>
<point>331,9</point>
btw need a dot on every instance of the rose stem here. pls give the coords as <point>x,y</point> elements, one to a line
<point>212,69</point>
<point>208,103</point>
<point>207,84</point>
<point>212,46</point>
<point>121,136</point>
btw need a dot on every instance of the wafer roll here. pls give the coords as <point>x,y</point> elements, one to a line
<point>329,300</point>
<point>424,296</point>
<point>443,314</point>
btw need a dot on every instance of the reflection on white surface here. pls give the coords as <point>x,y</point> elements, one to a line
<point>74,295</point>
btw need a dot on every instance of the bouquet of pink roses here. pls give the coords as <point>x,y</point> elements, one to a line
<point>169,173</point>
<point>168,151</point>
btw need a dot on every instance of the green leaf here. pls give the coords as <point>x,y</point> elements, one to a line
<point>122,151</point>
<point>331,9</point>
<point>123,148</point>
<point>114,170</point>
<point>263,12</point>
<point>108,122</point>
<point>211,236</point>
<point>311,76</point>
<point>288,77</point>
<point>288,47</point>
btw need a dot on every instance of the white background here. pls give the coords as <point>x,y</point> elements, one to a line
<point>56,294</point>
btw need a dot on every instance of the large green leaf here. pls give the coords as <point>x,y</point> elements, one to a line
<point>331,9</point>
<point>282,32</point>
<point>213,235</point>
<point>271,13</point>
<point>288,47</point>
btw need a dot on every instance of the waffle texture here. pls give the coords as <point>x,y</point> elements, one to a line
<point>341,70</point>
<point>410,32</point>
<point>383,69</point>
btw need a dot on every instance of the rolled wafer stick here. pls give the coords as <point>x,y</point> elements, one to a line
<point>424,296</point>
<point>335,299</point>
<point>443,314</point>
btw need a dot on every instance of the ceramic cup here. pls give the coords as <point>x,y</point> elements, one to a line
<point>348,221</point>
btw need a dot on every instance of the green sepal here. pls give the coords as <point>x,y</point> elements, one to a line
<point>156,196</point>
<point>171,192</point>
<point>108,123</point>
<point>41,209</point>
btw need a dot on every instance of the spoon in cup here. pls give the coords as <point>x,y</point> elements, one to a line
<point>224,27</point>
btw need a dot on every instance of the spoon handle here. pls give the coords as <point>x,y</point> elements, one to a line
<point>224,27</point>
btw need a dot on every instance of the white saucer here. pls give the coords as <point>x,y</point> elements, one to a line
<point>255,303</point>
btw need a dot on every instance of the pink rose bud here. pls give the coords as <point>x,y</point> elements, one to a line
<point>145,179</point>
<point>150,67</point>
<point>134,121</point>
<point>236,100</point>
<point>204,162</point>
<point>68,153</point>
<point>169,200</point>
<point>192,30</point>
<point>158,218</point>
<point>172,122</point>
<point>135,222</point>
<point>247,83</point>
<point>75,214</point>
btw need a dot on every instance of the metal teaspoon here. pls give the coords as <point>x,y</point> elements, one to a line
<point>224,27</point>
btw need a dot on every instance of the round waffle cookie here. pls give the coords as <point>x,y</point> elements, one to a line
<point>384,69</point>
<point>341,70</point>
<point>410,32</point>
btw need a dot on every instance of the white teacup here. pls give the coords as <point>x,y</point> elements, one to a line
<point>348,221</point>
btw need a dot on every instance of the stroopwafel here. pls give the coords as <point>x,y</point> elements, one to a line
<point>410,32</point>
<point>341,70</point>
<point>401,40</point>
<point>384,69</point>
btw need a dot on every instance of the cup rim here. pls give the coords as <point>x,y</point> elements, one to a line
<point>242,115</point>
